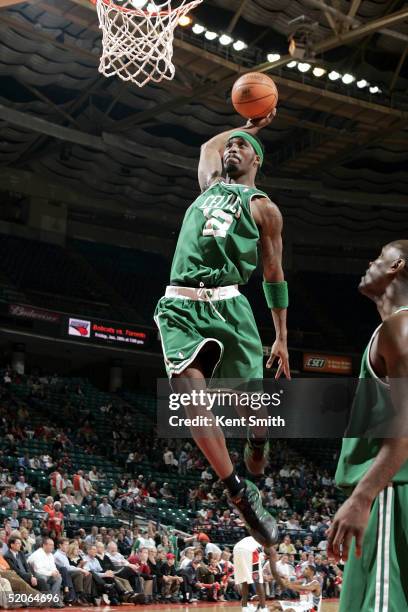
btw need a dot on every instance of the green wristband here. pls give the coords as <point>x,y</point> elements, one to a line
<point>276,294</point>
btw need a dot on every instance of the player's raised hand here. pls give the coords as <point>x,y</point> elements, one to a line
<point>262,122</point>
<point>280,351</point>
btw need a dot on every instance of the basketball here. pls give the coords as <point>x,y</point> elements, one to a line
<point>254,95</point>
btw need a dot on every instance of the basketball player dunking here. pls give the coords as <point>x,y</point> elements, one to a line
<point>206,325</point>
<point>370,531</point>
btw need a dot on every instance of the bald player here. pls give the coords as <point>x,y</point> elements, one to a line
<point>370,530</point>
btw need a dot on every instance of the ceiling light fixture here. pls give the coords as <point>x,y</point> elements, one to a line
<point>210,35</point>
<point>362,83</point>
<point>319,72</point>
<point>348,78</point>
<point>225,39</point>
<point>303,66</point>
<point>239,45</point>
<point>184,21</point>
<point>333,75</point>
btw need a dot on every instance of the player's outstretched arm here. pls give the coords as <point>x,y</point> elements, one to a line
<point>210,164</point>
<point>269,220</point>
<point>352,518</point>
<point>299,587</point>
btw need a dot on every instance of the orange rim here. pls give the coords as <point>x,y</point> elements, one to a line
<point>144,13</point>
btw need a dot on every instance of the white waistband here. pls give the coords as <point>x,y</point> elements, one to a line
<point>204,294</point>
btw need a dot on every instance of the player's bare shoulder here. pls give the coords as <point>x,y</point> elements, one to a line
<point>393,333</point>
<point>265,212</point>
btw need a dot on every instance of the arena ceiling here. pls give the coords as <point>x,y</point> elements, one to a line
<point>337,155</point>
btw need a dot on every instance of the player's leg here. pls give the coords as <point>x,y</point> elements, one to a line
<point>193,342</point>
<point>243,359</point>
<point>260,591</point>
<point>245,594</point>
<point>210,440</point>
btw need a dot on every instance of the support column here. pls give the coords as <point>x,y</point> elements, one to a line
<point>18,358</point>
<point>115,375</point>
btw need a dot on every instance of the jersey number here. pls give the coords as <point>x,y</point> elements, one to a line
<point>218,222</point>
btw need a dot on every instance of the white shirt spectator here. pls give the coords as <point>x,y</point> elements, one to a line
<point>284,473</point>
<point>85,486</point>
<point>206,475</point>
<point>134,490</point>
<point>184,562</point>
<point>42,563</point>
<point>322,545</point>
<point>168,457</point>
<point>212,548</point>
<point>66,482</point>
<point>146,542</point>
<point>286,570</point>
<point>117,559</point>
<point>292,525</point>
<point>269,482</point>
<point>21,486</point>
<point>93,476</point>
<point>105,509</point>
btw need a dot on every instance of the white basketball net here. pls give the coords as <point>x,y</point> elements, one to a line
<point>137,44</point>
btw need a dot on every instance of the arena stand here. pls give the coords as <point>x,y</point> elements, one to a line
<point>64,427</point>
<point>108,281</point>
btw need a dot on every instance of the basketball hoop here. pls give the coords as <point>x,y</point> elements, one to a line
<point>137,43</point>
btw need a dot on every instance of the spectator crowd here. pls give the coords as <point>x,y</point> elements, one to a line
<point>43,554</point>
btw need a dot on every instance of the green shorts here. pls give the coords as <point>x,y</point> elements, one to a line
<point>230,348</point>
<point>378,581</point>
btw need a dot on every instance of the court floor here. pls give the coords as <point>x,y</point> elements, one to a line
<point>328,606</point>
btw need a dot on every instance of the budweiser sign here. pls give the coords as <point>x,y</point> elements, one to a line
<point>28,312</point>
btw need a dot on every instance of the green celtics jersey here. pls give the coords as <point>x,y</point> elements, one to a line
<point>217,245</point>
<point>371,407</point>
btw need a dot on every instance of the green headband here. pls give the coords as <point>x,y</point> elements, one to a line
<point>252,141</point>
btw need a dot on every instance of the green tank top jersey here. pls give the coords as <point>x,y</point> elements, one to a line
<point>370,408</point>
<point>217,245</point>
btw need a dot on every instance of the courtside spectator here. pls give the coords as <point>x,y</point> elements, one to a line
<point>170,580</point>
<point>45,570</point>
